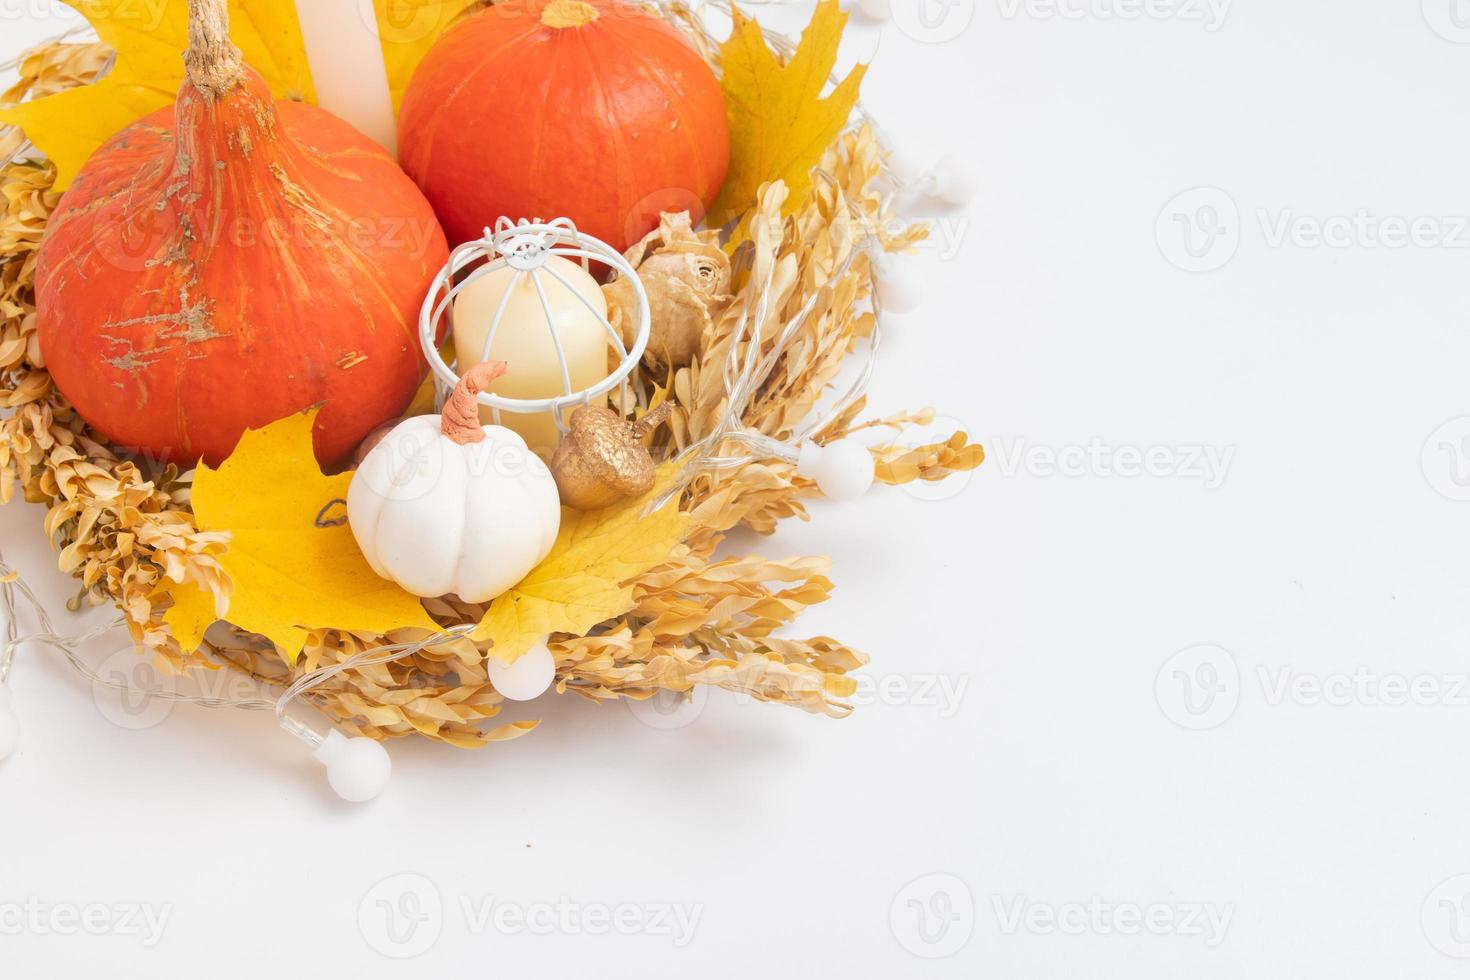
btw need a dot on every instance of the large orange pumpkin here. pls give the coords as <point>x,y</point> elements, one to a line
<point>594,110</point>
<point>229,261</point>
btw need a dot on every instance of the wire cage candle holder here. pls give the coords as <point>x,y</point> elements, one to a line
<point>526,248</point>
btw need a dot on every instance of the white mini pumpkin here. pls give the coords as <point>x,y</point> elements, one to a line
<point>445,505</point>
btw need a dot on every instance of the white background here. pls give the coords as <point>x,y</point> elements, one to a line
<point>1062,768</point>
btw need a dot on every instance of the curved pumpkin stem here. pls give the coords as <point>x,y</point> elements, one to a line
<point>460,422</point>
<point>213,64</point>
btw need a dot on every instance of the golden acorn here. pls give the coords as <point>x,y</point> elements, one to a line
<point>602,458</point>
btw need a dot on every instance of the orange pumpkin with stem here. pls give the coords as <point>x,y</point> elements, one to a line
<point>229,261</point>
<point>594,110</point>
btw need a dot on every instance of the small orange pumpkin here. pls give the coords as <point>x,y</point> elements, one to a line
<point>594,110</point>
<point>231,260</point>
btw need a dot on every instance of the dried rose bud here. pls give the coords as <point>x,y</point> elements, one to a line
<point>687,279</point>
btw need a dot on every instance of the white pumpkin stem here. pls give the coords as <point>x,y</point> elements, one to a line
<point>213,64</point>
<point>460,421</point>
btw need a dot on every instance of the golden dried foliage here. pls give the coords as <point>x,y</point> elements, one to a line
<point>124,527</point>
<point>46,70</point>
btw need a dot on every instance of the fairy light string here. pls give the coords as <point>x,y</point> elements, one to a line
<point>14,591</point>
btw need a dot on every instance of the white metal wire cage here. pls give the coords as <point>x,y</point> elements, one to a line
<point>525,247</point>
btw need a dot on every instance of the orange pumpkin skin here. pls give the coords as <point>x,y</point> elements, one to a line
<point>607,123</point>
<point>227,262</point>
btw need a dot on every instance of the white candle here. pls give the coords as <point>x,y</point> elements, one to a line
<point>524,341</point>
<point>347,69</point>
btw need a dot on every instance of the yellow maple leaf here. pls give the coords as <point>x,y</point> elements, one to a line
<point>408,29</point>
<point>779,123</point>
<point>194,611</point>
<point>150,39</point>
<point>584,579</point>
<point>289,574</point>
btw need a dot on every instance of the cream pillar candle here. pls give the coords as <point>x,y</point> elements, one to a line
<point>347,68</point>
<point>523,340</point>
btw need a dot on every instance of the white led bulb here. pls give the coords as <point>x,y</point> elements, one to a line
<point>953,181</point>
<point>357,768</point>
<point>528,678</point>
<point>844,470</point>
